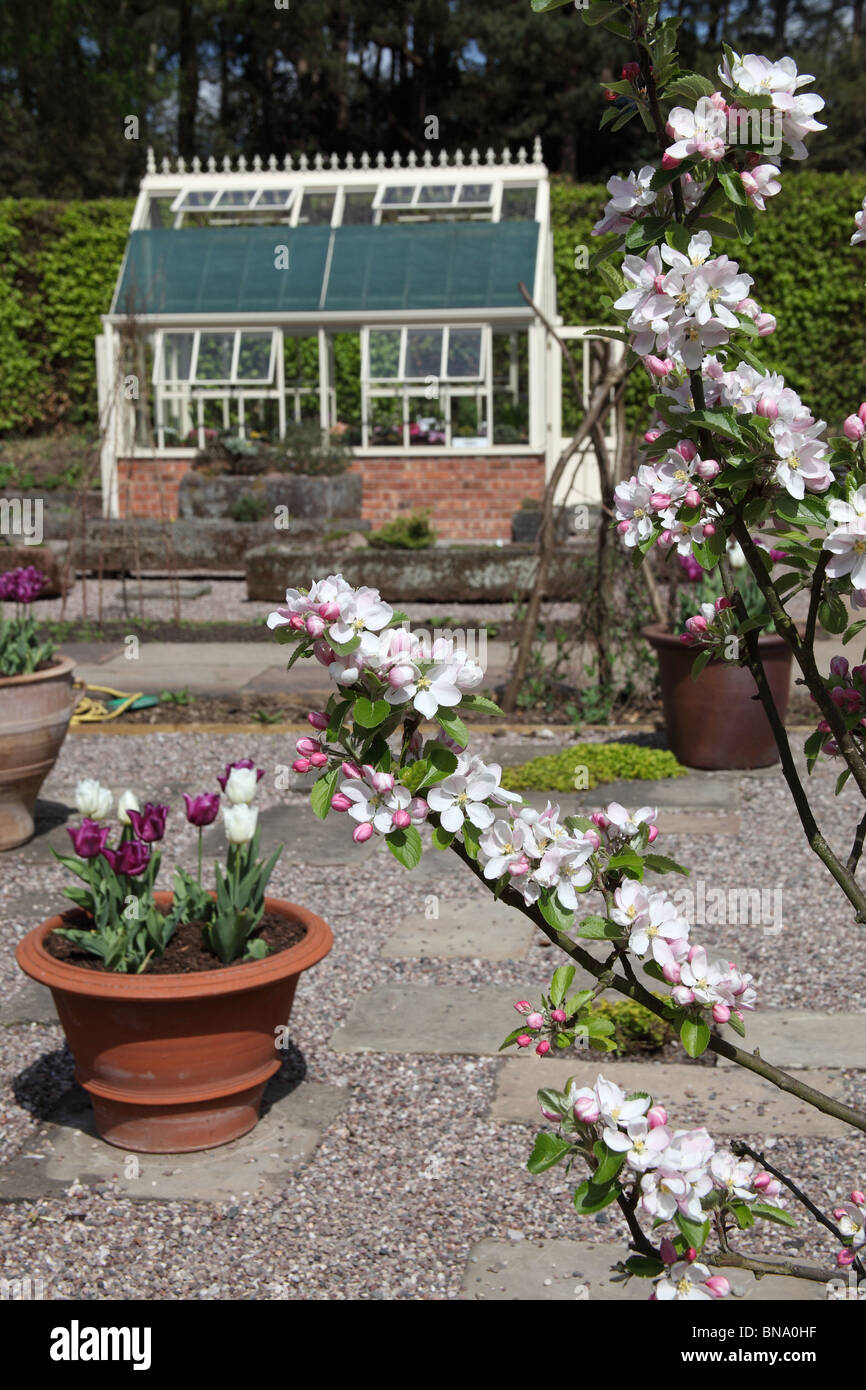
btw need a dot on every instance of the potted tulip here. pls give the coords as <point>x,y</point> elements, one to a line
<point>171,1001</point>
<point>36,704</point>
<point>713,718</point>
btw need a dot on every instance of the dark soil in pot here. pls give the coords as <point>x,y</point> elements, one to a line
<point>186,952</point>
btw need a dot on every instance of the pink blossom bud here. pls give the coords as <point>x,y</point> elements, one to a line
<point>660,501</point>
<point>307,746</point>
<point>399,676</point>
<point>691,1254</point>
<point>668,161</point>
<point>861,411</point>
<point>659,366</point>
<point>586,1110</point>
<point>665,539</point>
<point>761,1181</point>
<point>672,972</point>
<point>323,653</point>
<point>708,529</point>
<point>692,497</point>
<point>340,802</point>
<point>329,611</point>
<point>769,409</point>
<point>352,771</point>
<point>362,832</point>
<point>858,673</point>
<point>524,1040</point>
<point>652,435</point>
<point>401,819</point>
<point>750,307</point>
<point>319,759</point>
<point>668,1251</point>
<point>317,719</point>
<point>558,1015</point>
<point>682,995</point>
<point>535,1020</point>
<point>622,527</point>
<point>592,839</point>
<point>543,1047</point>
<point>687,639</point>
<point>630,71</point>
<point>718,1285</point>
<point>749,184</point>
<point>518,867</point>
<point>656,1115</point>
<point>722,603</point>
<point>600,819</point>
<point>708,469</point>
<point>686,450</point>
<point>301,765</point>
<point>315,625</point>
<point>653,834</point>
<point>550,1115</point>
<point>765,324</point>
<point>858,1198</point>
<point>845,1257</point>
<point>718,101</point>
<point>696,625</point>
<point>853,428</point>
<point>721,1013</point>
<point>418,809</point>
<point>381,781</point>
<point>523,1006</point>
<point>297,622</point>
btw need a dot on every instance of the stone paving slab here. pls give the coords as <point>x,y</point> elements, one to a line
<point>438,1020</point>
<point>67,1149</point>
<point>795,1038</point>
<point>576,1271</point>
<point>32,1004</point>
<point>484,930</point>
<point>693,1095</point>
<point>204,668</point>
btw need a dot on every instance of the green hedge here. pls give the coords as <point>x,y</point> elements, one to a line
<point>59,263</point>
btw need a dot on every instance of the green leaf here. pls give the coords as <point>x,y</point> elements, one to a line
<point>547,1151</point>
<point>595,928</point>
<point>442,762</point>
<point>781,1218</point>
<point>405,845</point>
<point>717,227</point>
<point>694,1036</point>
<point>745,222</point>
<point>441,838</point>
<point>370,715</point>
<point>833,614</point>
<point>743,1215</point>
<point>732,185</point>
<point>737,1024</point>
<point>321,792</point>
<point>841,780</point>
<point>553,1101</point>
<point>557,916</point>
<point>661,864</point>
<point>453,726</point>
<point>643,1266</point>
<point>560,984</point>
<point>511,1039</point>
<point>599,11</point>
<point>689,85</point>
<point>631,864</point>
<point>695,1232</point>
<point>609,1164</point>
<point>645,232</point>
<point>853,630</point>
<point>471,838</point>
<point>480,702</point>
<point>590,1198</point>
<point>413,775</point>
<point>545,6</point>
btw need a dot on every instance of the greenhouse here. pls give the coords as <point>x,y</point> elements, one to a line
<point>387,302</point>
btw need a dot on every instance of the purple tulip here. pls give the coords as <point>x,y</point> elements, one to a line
<point>149,823</point>
<point>89,838</point>
<point>202,809</point>
<point>244,762</point>
<point>22,585</point>
<point>131,858</point>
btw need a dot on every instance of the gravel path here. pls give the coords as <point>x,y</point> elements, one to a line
<point>411,1174</point>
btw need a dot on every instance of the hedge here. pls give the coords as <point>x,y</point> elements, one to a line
<point>59,263</point>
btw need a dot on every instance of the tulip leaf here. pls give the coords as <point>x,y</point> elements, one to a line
<point>405,845</point>
<point>321,792</point>
<point>368,714</point>
<point>694,1036</point>
<point>548,1150</point>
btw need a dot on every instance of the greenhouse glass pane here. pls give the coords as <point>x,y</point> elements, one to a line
<point>176,356</point>
<point>476,193</point>
<point>464,353</point>
<point>384,353</point>
<point>197,199</point>
<point>423,352</point>
<point>214,357</point>
<point>235,197</point>
<point>357,209</point>
<point>397,195</point>
<point>518,204</point>
<point>254,357</point>
<point>316,209</point>
<point>436,193</point>
<point>275,198</point>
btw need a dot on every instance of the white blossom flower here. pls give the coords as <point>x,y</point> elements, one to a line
<point>463,796</point>
<point>361,610</point>
<point>684,1281</point>
<point>615,1109</point>
<point>643,1147</point>
<point>564,868</point>
<point>504,845</point>
<point>663,924</point>
<point>733,1175</point>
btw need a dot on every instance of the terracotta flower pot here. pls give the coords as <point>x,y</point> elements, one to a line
<point>716,721</point>
<point>174,1063</point>
<point>35,711</point>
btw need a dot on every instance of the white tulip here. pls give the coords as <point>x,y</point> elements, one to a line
<point>241,785</point>
<point>92,799</point>
<point>240,823</point>
<point>127,802</point>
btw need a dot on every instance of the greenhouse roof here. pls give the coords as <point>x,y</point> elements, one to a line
<point>350,269</point>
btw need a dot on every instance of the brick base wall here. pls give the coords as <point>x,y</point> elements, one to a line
<point>149,487</point>
<point>469,498</point>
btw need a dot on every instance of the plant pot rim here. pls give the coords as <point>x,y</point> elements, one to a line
<point>35,961</point>
<point>660,635</point>
<point>60,666</point>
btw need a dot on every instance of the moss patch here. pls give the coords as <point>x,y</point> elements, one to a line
<point>635,1028</point>
<point>604,762</point>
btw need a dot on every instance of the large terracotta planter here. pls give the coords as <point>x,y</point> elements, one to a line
<point>174,1063</point>
<point>716,721</point>
<point>34,715</point>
